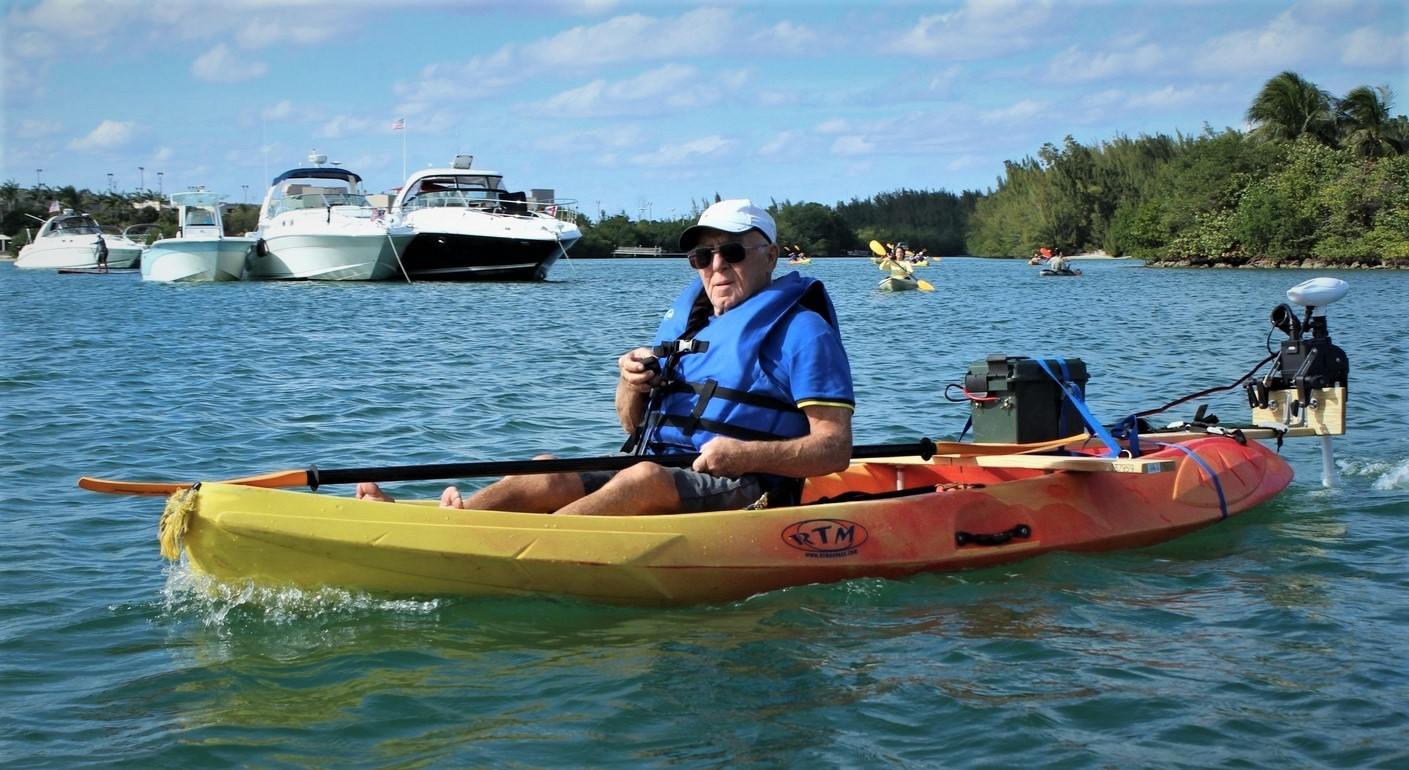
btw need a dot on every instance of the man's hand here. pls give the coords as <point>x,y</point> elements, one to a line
<point>640,370</point>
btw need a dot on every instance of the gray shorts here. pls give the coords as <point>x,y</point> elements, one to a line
<point>698,491</point>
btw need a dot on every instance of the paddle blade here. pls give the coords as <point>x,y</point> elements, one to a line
<point>926,285</point>
<point>275,480</point>
<point>878,249</point>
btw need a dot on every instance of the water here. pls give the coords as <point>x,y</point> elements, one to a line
<point>1275,639</point>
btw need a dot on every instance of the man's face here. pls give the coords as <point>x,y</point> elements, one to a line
<point>729,284</point>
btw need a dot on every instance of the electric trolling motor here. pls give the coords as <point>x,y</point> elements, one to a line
<point>1304,393</point>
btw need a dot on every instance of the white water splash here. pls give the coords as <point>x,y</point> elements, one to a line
<point>1394,477</point>
<point>188,591</point>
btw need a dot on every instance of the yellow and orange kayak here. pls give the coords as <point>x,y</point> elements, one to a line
<point>878,519</point>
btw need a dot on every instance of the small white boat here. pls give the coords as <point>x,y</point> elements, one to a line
<point>201,251</point>
<point>69,241</point>
<point>469,227</point>
<point>316,224</point>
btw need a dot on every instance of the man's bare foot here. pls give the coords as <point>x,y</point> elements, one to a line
<point>450,498</point>
<point>368,490</point>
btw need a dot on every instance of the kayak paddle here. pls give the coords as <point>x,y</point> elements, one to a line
<point>314,477</point>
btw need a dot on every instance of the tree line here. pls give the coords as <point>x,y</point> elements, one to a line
<point>1316,178</point>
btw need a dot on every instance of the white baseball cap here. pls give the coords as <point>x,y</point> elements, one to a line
<point>738,215</point>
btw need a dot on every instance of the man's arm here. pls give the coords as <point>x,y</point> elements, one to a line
<point>825,449</point>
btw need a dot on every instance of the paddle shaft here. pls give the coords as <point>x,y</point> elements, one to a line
<point>317,477</point>
<point>314,477</point>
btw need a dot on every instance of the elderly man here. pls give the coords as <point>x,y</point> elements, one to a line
<point>747,371</point>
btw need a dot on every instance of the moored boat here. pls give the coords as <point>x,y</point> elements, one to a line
<point>316,224</point>
<point>470,227</point>
<point>71,241</point>
<point>201,251</point>
<point>889,515</point>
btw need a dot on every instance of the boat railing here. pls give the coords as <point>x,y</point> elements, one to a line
<point>144,234</point>
<point>494,202</point>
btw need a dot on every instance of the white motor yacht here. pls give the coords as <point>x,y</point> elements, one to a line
<point>201,251</point>
<point>316,224</point>
<point>69,241</point>
<point>469,227</point>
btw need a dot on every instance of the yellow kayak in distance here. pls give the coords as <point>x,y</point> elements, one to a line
<point>899,284</point>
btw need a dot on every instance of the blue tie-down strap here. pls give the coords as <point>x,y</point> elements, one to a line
<point>1073,392</point>
<point>1129,430</point>
<point>1217,485</point>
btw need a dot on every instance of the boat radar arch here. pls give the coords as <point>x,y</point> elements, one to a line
<point>462,161</point>
<point>316,158</point>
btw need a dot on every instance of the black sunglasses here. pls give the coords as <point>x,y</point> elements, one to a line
<point>733,253</point>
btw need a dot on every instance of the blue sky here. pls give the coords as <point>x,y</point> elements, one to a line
<point>646,108</point>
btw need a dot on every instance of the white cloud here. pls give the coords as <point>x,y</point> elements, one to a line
<point>686,153</point>
<point>219,65</point>
<point>36,128</point>
<point>1280,44</point>
<point>281,111</point>
<point>676,86</point>
<point>1372,47</point>
<point>981,29</point>
<point>1077,64</point>
<point>1021,111</point>
<point>852,144</point>
<point>633,39</point>
<point>108,135</point>
<point>1166,99</point>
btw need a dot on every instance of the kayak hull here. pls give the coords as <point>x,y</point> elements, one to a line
<point>964,516</point>
<point>899,284</point>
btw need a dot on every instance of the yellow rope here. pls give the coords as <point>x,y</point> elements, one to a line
<point>175,520</point>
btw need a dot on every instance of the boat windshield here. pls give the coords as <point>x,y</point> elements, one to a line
<point>319,201</point>
<point>75,226</point>
<point>462,190</point>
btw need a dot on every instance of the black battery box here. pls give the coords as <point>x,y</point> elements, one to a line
<point>1014,401</point>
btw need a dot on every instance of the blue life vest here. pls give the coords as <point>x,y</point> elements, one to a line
<point>715,384</point>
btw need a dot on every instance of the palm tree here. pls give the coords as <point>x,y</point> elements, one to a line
<point>1290,106</point>
<point>1366,126</point>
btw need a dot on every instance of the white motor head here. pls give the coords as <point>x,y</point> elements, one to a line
<point>1317,293</point>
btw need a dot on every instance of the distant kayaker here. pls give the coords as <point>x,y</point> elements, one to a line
<point>897,264</point>
<point>1058,263</point>
<point>747,371</point>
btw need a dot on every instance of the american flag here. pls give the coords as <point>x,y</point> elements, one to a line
<point>399,124</point>
<point>53,207</point>
<point>552,211</point>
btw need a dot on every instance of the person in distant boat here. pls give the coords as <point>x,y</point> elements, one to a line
<point>748,371</point>
<point>897,264</point>
<point>1058,263</point>
<point>102,251</point>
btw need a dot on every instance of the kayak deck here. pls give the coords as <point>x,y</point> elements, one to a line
<point>884,518</point>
